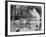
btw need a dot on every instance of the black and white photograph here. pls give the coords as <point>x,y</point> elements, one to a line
<point>25,18</point>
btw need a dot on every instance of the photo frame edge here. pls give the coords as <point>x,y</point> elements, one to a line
<point>6,20</point>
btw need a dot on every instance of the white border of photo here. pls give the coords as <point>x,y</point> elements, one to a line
<point>28,32</point>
